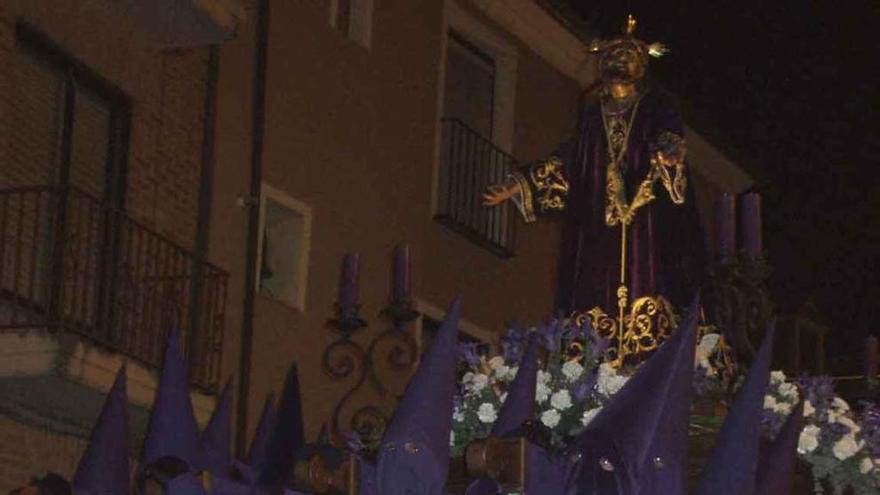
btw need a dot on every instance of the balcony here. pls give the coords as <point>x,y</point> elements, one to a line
<point>71,265</point>
<point>468,163</point>
<point>182,23</point>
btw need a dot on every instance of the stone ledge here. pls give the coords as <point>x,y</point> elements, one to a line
<point>59,382</point>
<point>184,23</point>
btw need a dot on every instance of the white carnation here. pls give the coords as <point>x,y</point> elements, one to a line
<point>789,391</point>
<point>496,362</point>
<point>479,382</point>
<point>550,418</point>
<point>503,397</point>
<point>777,377</point>
<point>769,402</point>
<point>561,400</point>
<point>833,415</point>
<point>542,393</point>
<point>846,447</point>
<point>468,377</point>
<point>840,404</point>
<point>609,382</point>
<point>782,408</point>
<point>572,370</point>
<point>544,377</point>
<point>866,466</point>
<point>511,372</point>
<point>809,410</point>
<point>452,438</point>
<point>606,369</point>
<point>458,415</point>
<point>704,350</point>
<point>809,439</point>
<point>589,414</point>
<point>501,372</point>
<point>849,423</point>
<point>487,413</point>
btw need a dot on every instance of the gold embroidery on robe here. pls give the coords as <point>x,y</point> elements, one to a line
<point>544,188</point>
<point>550,185</point>
<point>526,202</point>
<point>616,209</point>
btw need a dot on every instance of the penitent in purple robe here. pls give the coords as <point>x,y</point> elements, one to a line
<point>665,246</point>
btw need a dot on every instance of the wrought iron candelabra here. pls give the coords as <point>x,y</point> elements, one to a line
<point>742,304</point>
<point>348,358</point>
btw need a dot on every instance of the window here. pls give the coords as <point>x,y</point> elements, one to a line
<point>354,19</point>
<point>70,126</point>
<point>469,95</point>
<point>285,231</point>
<point>477,104</point>
<point>431,319</point>
<point>431,326</point>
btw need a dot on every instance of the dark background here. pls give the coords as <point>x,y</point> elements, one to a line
<point>789,90</point>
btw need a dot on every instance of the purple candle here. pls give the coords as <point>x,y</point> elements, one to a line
<point>872,356</point>
<point>750,215</point>
<point>402,269</point>
<point>726,226</point>
<point>348,291</point>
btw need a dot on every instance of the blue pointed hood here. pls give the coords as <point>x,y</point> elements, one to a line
<point>172,430</point>
<point>612,450</point>
<point>777,466</point>
<point>414,456</point>
<point>104,467</point>
<point>732,468</point>
<point>216,445</point>
<point>288,435</point>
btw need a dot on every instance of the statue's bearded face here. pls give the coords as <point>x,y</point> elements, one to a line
<point>622,64</point>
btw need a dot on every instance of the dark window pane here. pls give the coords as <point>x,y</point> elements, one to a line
<point>90,144</point>
<point>469,86</point>
<point>343,16</point>
<point>35,132</point>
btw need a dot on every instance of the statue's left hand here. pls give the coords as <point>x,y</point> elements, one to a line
<point>666,161</point>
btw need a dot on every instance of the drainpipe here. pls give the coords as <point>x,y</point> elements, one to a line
<point>257,131</point>
<point>198,360</point>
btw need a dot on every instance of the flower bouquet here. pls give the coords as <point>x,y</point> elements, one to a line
<point>573,383</point>
<point>841,447</point>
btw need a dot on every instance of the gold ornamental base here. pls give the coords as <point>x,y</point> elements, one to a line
<point>636,333</point>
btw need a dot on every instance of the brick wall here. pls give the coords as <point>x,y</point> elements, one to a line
<point>29,451</point>
<point>166,91</point>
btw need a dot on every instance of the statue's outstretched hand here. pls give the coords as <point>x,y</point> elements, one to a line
<point>499,193</point>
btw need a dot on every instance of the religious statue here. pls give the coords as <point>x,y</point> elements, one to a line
<point>625,245</point>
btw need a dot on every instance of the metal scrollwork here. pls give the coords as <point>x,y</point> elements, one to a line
<point>742,303</point>
<point>393,350</point>
<point>401,355</point>
<point>649,322</point>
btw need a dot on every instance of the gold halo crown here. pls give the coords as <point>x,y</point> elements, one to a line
<point>645,50</point>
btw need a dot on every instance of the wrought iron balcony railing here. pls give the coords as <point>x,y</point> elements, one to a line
<point>69,262</point>
<point>468,163</point>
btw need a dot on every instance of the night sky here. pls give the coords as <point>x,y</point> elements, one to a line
<point>790,90</point>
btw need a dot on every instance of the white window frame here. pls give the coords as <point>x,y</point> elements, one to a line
<point>360,32</point>
<point>284,199</point>
<point>435,312</point>
<point>504,53</point>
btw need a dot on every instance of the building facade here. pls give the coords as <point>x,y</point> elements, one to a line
<point>224,159</point>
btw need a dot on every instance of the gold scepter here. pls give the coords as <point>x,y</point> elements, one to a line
<point>644,195</point>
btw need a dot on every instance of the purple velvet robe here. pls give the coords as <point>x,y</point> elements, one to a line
<point>665,245</point>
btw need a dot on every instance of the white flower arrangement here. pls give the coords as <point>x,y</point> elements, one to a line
<point>571,385</point>
<point>841,448</point>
